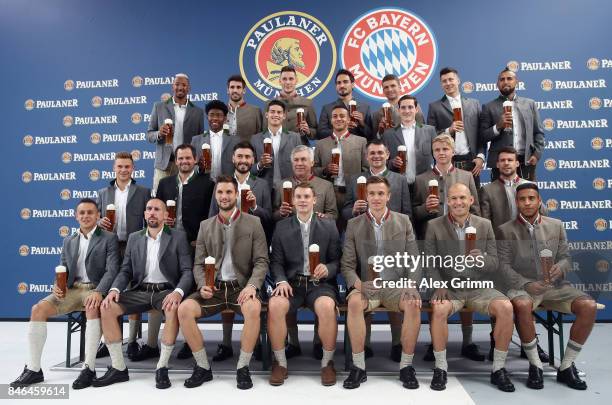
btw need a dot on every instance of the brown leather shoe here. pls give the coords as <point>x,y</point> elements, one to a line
<point>328,374</point>
<point>278,375</point>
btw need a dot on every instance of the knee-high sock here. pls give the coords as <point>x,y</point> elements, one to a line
<point>92,338</point>
<point>37,336</point>
<point>116,354</point>
<point>571,352</point>
<point>155,319</point>
<point>164,356</point>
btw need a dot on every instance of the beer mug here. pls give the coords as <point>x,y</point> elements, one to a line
<point>387,118</point>
<point>206,158</point>
<point>314,259</point>
<point>361,188</point>
<point>209,271</point>
<point>352,107</point>
<point>546,260</point>
<point>470,239</point>
<point>171,204</point>
<point>335,157</point>
<point>287,192</point>
<point>226,129</point>
<point>301,117</point>
<point>457,114</point>
<point>401,152</point>
<point>434,189</point>
<point>170,136</point>
<point>507,108</point>
<point>267,143</point>
<point>110,214</point>
<point>61,278</point>
<point>245,204</point>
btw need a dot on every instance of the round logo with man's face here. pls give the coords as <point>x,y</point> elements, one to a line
<point>467,87</point>
<point>287,38</point>
<point>95,138</point>
<point>69,85</point>
<point>22,288</point>
<point>389,41</point>
<point>28,140</point>
<point>599,183</point>
<point>137,81</point>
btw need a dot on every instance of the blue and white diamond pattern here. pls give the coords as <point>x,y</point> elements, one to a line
<point>388,51</point>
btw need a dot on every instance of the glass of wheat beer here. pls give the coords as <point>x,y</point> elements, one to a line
<point>352,107</point>
<point>301,117</point>
<point>457,114</point>
<point>170,136</point>
<point>434,189</point>
<point>314,259</point>
<point>206,157</point>
<point>507,108</point>
<point>226,129</point>
<point>361,188</point>
<point>546,260</point>
<point>470,239</point>
<point>245,204</point>
<point>171,204</point>
<point>287,192</point>
<point>388,120</point>
<point>61,279</point>
<point>110,214</point>
<point>401,152</point>
<point>267,143</point>
<point>335,157</point>
<point>209,271</point>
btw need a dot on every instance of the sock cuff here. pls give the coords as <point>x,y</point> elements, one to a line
<point>574,346</point>
<point>530,345</point>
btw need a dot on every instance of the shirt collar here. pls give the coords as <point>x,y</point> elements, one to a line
<point>297,181</point>
<point>455,99</point>
<point>127,186</point>
<point>279,132</point>
<point>232,218</point>
<point>232,109</point>
<point>382,220</point>
<point>89,234</point>
<point>341,137</point>
<point>307,223</point>
<point>179,105</point>
<point>382,174</point>
<point>220,133</point>
<point>149,237</point>
<point>411,126</point>
<point>189,178</point>
<point>453,222</point>
<point>521,219</point>
<point>437,171</point>
<point>513,182</point>
<point>246,180</point>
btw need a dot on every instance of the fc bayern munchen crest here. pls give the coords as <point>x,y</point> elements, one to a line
<point>287,38</point>
<point>389,41</point>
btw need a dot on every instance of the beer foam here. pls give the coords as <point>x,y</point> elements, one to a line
<point>60,269</point>
<point>205,146</point>
<point>507,103</point>
<point>299,110</point>
<point>401,148</point>
<point>226,127</point>
<point>313,248</point>
<point>545,253</point>
<point>470,229</point>
<point>352,102</point>
<point>110,207</point>
<point>386,105</point>
<point>433,183</point>
<point>168,121</point>
<point>209,260</point>
<point>267,140</point>
<point>335,151</point>
<point>171,203</point>
<point>361,180</point>
<point>245,187</point>
<point>287,184</point>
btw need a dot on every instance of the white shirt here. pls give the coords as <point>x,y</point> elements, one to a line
<point>81,273</point>
<point>305,232</point>
<point>121,198</point>
<point>216,148</point>
<point>179,201</point>
<point>179,118</point>
<point>232,118</point>
<point>408,133</point>
<point>518,141</point>
<point>227,265</point>
<point>461,142</point>
<point>276,141</point>
<point>152,271</point>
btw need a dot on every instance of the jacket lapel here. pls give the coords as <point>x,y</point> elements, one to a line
<point>95,239</point>
<point>446,104</point>
<point>74,251</point>
<point>170,108</point>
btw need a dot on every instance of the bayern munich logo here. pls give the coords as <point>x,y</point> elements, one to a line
<point>389,41</point>
<point>287,38</point>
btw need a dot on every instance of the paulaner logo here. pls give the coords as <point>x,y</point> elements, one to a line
<point>599,183</point>
<point>137,81</point>
<point>467,87</point>
<point>136,118</point>
<point>549,124</point>
<point>547,85</point>
<point>26,213</point>
<point>28,140</point>
<point>550,164</point>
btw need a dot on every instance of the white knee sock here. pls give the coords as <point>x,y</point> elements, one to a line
<point>166,351</point>
<point>133,330</point>
<point>280,357</point>
<point>201,359</point>
<point>92,338</point>
<point>499,359</point>
<point>406,360</point>
<point>441,360</point>
<point>116,354</point>
<point>571,352</point>
<point>359,360</point>
<point>244,359</point>
<point>328,355</point>
<point>37,336</point>
<point>531,350</point>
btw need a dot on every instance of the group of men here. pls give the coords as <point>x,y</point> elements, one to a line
<point>376,185</point>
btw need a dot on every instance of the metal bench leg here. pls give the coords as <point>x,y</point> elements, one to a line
<point>265,344</point>
<point>561,337</point>
<point>83,327</point>
<point>69,339</point>
<point>550,325</point>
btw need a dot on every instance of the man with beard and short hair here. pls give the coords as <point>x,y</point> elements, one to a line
<point>244,120</point>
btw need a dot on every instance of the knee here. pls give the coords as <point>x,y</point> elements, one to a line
<point>355,303</point>
<point>501,309</point>
<point>324,308</point>
<point>38,312</point>
<point>278,306</point>
<point>584,307</point>
<point>251,309</point>
<point>522,306</point>
<point>440,312</point>
<point>92,313</point>
<point>187,310</point>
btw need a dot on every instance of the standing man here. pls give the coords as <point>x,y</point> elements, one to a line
<point>91,258</point>
<point>380,232</point>
<point>520,128</point>
<point>301,283</point>
<point>157,269</point>
<point>446,237</point>
<point>469,148</point>
<point>524,239</point>
<point>221,143</point>
<point>187,122</point>
<point>276,166</point>
<point>244,119</point>
<point>360,122</point>
<point>238,244</point>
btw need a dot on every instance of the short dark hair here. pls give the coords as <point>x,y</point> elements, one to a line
<point>408,97</point>
<point>390,77</point>
<point>448,70</point>
<point>158,199</point>
<point>244,145</point>
<point>506,69</point>
<point>278,103</point>
<point>288,69</point>
<point>527,186</point>
<point>224,178</point>
<point>88,201</point>
<point>346,72</point>
<point>236,78</point>
<point>124,155</point>
<point>376,142</point>
<point>185,146</point>
<point>216,105</point>
<point>508,149</point>
<point>305,184</point>
<point>378,180</point>
<point>340,105</point>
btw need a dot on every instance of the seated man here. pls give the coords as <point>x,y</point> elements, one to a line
<point>301,283</point>
<point>377,233</point>
<point>237,243</point>
<point>522,242</point>
<point>91,258</point>
<point>157,268</point>
<point>446,237</point>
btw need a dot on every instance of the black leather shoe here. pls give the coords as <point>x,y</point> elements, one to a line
<point>146,352</point>
<point>28,377</point>
<point>502,381</point>
<point>491,346</point>
<point>102,351</point>
<point>317,351</point>
<point>408,377</point>
<point>84,379</point>
<point>243,378</point>
<point>184,353</point>
<point>368,352</point>
<point>111,376</point>
<point>161,378</point>
<point>198,377</point>
<point>292,351</point>
<point>355,378</point>
<point>132,350</point>
<point>223,353</point>
<point>535,380</point>
<point>438,382</point>
<point>396,353</point>
<point>570,377</point>
<point>471,352</point>
<point>429,356</point>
